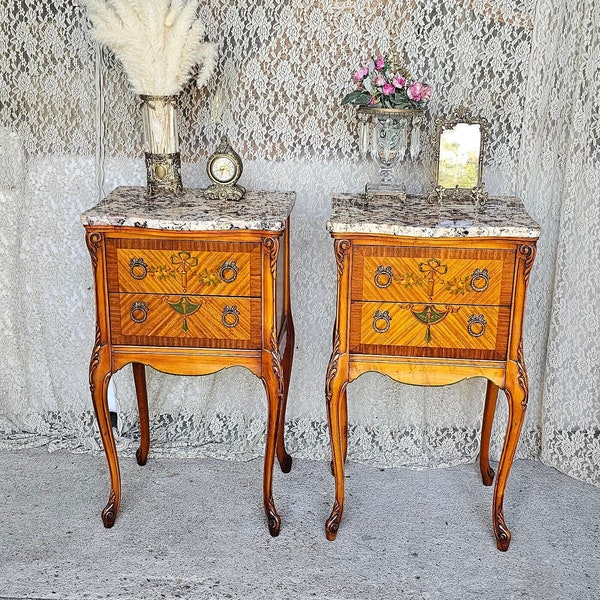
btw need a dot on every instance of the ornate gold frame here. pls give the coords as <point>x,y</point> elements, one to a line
<point>438,193</point>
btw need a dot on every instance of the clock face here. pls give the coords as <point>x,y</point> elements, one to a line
<point>223,169</point>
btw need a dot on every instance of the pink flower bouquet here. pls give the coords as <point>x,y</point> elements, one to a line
<point>383,84</point>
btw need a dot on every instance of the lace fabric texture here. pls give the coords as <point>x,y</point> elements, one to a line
<point>70,131</point>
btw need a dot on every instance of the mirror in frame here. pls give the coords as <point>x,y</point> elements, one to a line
<point>459,148</point>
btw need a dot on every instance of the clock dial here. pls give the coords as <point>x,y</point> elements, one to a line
<point>223,169</point>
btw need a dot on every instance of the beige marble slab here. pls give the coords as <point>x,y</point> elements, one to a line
<point>499,217</point>
<point>191,211</point>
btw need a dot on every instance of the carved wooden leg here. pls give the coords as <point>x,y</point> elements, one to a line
<point>343,426</point>
<point>99,377</point>
<point>139,377</point>
<point>285,460</point>
<point>336,389</point>
<point>517,394</point>
<point>273,381</point>
<point>491,395</point>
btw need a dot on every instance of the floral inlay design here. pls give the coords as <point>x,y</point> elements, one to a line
<point>183,266</point>
<point>432,275</point>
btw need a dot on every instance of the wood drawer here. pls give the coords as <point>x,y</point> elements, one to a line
<point>171,267</point>
<point>185,320</point>
<point>440,275</point>
<point>434,330</point>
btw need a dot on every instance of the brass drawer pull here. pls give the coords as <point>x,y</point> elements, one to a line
<point>139,312</point>
<point>477,325</point>
<point>383,276</point>
<point>228,271</point>
<point>381,316</point>
<point>231,316</point>
<point>480,280</point>
<point>138,268</point>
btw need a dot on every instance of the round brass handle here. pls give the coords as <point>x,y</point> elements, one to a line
<point>228,271</point>
<point>380,316</point>
<point>139,312</point>
<point>383,276</point>
<point>480,280</point>
<point>231,316</point>
<point>138,268</point>
<point>477,325</point>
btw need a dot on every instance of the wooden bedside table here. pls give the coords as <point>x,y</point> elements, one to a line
<point>431,295</point>
<point>190,286</point>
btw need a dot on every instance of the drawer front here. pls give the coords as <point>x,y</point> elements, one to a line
<point>191,321</point>
<point>167,267</point>
<point>436,330</point>
<point>438,275</point>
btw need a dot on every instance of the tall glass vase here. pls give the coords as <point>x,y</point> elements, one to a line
<point>389,136</point>
<point>161,141</point>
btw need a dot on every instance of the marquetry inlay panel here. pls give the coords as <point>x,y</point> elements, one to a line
<point>201,321</point>
<point>407,274</point>
<point>160,266</point>
<point>429,329</point>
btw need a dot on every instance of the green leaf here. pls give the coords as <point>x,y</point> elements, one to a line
<point>355,96</point>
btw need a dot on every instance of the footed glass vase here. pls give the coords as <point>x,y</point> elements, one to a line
<point>161,144</point>
<point>389,136</point>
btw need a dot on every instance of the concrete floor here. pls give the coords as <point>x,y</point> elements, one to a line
<point>194,529</point>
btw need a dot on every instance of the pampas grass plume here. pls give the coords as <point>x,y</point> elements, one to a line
<point>159,42</point>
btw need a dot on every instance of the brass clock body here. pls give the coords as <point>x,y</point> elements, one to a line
<point>224,168</point>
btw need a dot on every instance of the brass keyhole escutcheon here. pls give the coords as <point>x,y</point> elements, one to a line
<point>381,321</point>
<point>480,280</point>
<point>228,271</point>
<point>383,277</point>
<point>138,268</point>
<point>477,325</point>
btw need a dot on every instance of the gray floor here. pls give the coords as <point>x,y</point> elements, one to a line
<point>195,529</point>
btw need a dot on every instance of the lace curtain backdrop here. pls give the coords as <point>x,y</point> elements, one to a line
<point>70,131</point>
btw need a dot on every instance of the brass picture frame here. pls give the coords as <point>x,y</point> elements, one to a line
<point>460,141</point>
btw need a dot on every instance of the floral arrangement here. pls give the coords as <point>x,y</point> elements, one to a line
<point>159,42</point>
<point>381,83</point>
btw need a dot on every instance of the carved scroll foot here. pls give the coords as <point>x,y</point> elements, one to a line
<point>502,533</point>
<point>286,463</point>
<point>109,514</point>
<point>141,457</point>
<point>333,523</point>
<point>273,519</point>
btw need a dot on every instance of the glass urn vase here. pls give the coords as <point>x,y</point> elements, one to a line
<point>389,136</point>
<point>161,144</point>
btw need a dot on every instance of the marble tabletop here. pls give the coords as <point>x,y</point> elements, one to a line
<point>499,217</point>
<point>191,211</point>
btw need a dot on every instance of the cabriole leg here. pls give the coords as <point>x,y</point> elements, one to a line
<point>139,378</point>
<point>516,394</point>
<point>285,460</point>
<point>491,396</point>
<point>99,377</point>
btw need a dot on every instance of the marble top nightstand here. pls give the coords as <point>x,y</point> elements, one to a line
<point>189,286</point>
<point>431,295</point>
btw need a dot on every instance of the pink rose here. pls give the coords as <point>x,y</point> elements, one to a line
<point>388,89</point>
<point>414,91</point>
<point>379,62</point>
<point>372,101</point>
<point>361,74</point>
<point>426,93</point>
<point>399,81</point>
<point>380,80</point>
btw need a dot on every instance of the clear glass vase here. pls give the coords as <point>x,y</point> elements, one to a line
<point>161,142</point>
<point>388,136</point>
